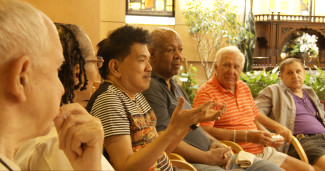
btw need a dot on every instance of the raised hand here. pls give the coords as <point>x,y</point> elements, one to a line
<point>80,137</point>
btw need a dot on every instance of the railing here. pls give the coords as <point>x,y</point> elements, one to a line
<point>289,18</point>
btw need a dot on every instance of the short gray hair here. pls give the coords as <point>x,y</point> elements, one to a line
<point>23,31</point>
<point>228,49</point>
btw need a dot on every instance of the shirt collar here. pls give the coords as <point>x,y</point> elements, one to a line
<point>159,78</point>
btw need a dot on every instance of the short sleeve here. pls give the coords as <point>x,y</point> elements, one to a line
<point>200,98</point>
<point>110,110</point>
<point>158,102</point>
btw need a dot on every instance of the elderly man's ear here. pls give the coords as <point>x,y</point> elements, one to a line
<point>152,54</point>
<point>18,78</point>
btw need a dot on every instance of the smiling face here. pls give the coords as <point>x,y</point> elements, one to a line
<point>293,76</point>
<point>135,70</point>
<point>229,69</point>
<point>167,58</point>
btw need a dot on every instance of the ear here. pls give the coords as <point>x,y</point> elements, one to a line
<point>113,66</point>
<point>215,67</point>
<point>18,78</point>
<point>76,73</point>
<point>152,54</point>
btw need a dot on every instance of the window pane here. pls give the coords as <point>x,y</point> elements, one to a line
<point>150,7</point>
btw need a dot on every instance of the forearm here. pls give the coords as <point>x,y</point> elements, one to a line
<point>174,144</point>
<point>190,153</point>
<point>147,156</point>
<point>228,134</point>
<point>268,123</point>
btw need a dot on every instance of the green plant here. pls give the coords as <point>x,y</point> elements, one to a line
<point>316,80</point>
<point>188,83</point>
<point>212,26</point>
<point>258,80</point>
<point>246,40</point>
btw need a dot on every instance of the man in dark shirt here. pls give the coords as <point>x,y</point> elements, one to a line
<point>198,147</point>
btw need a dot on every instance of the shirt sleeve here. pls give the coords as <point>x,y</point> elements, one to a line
<point>158,101</point>
<point>264,101</point>
<point>200,98</point>
<point>110,110</point>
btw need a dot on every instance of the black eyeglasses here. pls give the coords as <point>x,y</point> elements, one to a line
<point>99,61</point>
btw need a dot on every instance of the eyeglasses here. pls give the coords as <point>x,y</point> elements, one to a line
<point>99,61</point>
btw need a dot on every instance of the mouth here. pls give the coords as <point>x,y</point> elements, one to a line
<point>148,76</point>
<point>177,66</point>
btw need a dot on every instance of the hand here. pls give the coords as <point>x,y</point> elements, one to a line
<point>215,144</point>
<point>183,119</point>
<point>219,157</point>
<point>211,113</point>
<point>276,144</point>
<point>80,137</point>
<point>285,133</point>
<point>259,137</point>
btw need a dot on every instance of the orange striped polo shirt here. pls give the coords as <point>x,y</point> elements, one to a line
<point>241,110</point>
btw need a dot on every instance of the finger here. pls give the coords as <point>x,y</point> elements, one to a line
<point>73,108</point>
<point>180,105</point>
<point>69,122</point>
<point>58,121</point>
<point>203,108</point>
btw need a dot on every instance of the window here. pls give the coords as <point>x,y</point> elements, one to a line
<point>162,8</point>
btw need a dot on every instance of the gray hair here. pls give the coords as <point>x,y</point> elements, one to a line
<point>229,49</point>
<point>23,31</point>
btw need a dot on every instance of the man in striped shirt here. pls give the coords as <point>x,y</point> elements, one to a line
<point>242,122</point>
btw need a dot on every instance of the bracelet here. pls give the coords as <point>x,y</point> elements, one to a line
<point>234,136</point>
<point>245,136</point>
<point>194,126</point>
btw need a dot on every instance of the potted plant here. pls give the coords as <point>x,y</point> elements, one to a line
<point>316,80</point>
<point>258,80</point>
<point>304,47</point>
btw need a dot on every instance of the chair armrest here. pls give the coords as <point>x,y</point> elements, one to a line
<point>237,148</point>
<point>301,152</point>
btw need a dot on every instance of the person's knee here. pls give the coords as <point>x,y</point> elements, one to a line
<point>263,165</point>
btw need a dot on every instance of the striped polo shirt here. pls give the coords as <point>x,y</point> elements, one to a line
<point>241,110</point>
<point>122,116</point>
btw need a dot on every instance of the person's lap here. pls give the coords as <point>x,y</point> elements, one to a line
<point>314,147</point>
<point>258,165</point>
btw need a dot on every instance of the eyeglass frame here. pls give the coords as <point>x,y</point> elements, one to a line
<point>99,61</point>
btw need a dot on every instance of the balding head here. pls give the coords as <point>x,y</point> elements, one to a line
<point>159,36</point>
<point>23,30</point>
<point>165,47</point>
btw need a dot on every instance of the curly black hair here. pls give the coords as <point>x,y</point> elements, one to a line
<point>118,45</point>
<point>74,56</point>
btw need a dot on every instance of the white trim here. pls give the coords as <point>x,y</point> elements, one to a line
<point>134,19</point>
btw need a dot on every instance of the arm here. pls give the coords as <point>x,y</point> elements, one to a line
<point>273,125</point>
<point>119,147</point>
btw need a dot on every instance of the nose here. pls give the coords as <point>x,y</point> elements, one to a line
<point>231,69</point>
<point>178,55</point>
<point>148,67</point>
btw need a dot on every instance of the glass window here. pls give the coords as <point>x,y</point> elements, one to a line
<point>150,7</point>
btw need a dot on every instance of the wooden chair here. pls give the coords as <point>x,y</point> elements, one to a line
<point>174,156</point>
<point>301,152</point>
<point>237,148</point>
<point>183,165</point>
